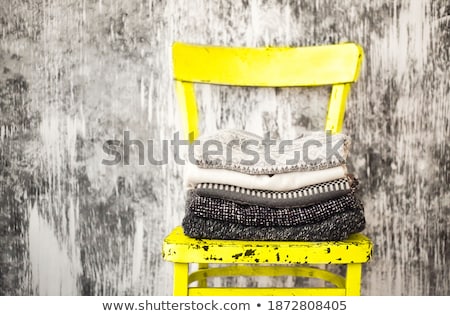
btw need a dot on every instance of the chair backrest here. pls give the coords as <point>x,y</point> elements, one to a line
<point>337,65</point>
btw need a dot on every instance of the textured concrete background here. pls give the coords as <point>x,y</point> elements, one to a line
<point>74,74</point>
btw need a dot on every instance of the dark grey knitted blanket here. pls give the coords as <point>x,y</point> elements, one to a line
<point>256,215</point>
<point>335,228</point>
<point>308,195</point>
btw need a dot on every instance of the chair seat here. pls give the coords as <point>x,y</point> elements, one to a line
<point>178,247</point>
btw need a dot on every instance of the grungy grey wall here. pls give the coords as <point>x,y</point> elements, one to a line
<point>75,73</point>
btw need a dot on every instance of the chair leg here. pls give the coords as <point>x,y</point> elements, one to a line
<point>353,279</point>
<point>202,282</point>
<point>180,279</point>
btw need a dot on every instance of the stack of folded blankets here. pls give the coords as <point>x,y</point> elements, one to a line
<point>242,186</point>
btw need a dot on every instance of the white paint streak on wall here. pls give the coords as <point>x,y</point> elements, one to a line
<point>55,264</point>
<point>138,250</point>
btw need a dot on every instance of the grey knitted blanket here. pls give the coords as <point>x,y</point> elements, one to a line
<point>301,197</point>
<point>256,215</point>
<point>246,152</point>
<point>335,228</point>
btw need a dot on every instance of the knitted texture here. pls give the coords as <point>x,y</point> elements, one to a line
<point>194,175</point>
<point>335,228</point>
<point>255,215</point>
<point>301,197</point>
<point>249,153</point>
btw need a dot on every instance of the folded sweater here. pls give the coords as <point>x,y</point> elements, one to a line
<point>308,195</point>
<point>249,153</point>
<point>255,215</point>
<point>194,175</point>
<point>335,228</point>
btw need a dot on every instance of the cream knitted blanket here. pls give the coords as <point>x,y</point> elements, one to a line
<point>242,151</point>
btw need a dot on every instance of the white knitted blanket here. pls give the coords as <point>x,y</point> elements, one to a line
<point>194,175</point>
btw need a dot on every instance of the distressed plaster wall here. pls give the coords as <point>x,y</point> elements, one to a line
<point>74,74</point>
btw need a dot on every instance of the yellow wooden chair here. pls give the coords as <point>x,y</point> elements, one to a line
<point>336,65</point>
